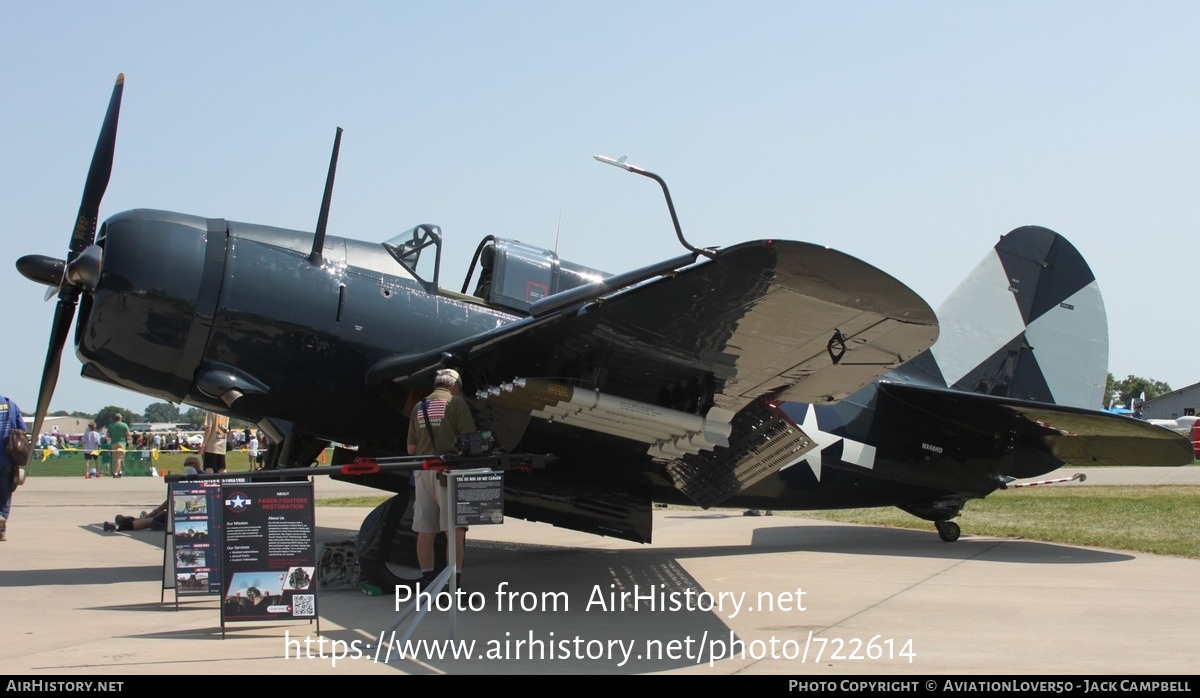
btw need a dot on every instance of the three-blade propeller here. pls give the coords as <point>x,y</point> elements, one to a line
<point>81,270</point>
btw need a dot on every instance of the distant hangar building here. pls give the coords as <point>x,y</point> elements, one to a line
<point>1184,402</point>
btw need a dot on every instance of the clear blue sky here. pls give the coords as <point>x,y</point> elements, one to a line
<point>909,134</point>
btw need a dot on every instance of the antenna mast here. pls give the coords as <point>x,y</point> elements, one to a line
<point>323,218</point>
<point>557,230</point>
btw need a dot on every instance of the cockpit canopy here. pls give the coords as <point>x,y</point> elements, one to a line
<point>407,248</point>
<point>515,275</point>
<point>512,274</point>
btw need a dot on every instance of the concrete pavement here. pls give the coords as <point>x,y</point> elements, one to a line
<point>788,595</point>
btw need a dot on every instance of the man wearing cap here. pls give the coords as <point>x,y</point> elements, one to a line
<point>90,445</point>
<point>433,426</point>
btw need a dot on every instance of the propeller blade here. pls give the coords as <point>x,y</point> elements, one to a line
<point>64,312</point>
<point>97,179</point>
<point>78,269</point>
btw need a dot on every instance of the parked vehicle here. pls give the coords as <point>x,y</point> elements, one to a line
<point>1195,435</point>
<point>1187,425</point>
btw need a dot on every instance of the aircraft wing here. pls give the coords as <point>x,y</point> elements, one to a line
<point>785,319</point>
<point>1076,436</point>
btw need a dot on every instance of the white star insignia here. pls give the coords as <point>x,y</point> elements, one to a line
<point>853,452</point>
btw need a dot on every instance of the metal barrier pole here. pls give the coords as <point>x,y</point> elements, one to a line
<point>450,519</point>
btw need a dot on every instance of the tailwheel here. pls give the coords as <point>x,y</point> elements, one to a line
<point>948,530</point>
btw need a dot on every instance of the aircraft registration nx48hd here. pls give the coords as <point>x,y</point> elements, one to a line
<point>769,374</point>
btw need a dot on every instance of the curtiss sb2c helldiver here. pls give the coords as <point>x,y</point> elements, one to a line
<point>771,374</point>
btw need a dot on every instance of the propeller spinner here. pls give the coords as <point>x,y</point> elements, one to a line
<point>81,270</point>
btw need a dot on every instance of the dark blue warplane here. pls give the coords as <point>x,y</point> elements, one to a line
<point>771,374</point>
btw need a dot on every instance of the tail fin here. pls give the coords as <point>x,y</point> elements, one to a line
<point>1028,323</point>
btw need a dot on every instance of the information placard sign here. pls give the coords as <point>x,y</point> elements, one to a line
<point>194,555</point>
<point>479,497</point>
<point>269,552</point>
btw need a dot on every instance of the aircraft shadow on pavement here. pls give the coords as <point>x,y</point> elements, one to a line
<point>526,608</point>
<point>564,594</point>
<point>878,540</point>
<point>564,603</point>
<point>583,575</point>
<point>557,608</point>
<point>68,576</point>
<point>864,539</point>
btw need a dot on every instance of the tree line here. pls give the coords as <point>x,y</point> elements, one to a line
<point>156,413</point>
<point>1121,392</point>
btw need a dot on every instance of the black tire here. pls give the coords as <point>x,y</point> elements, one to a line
<point>387,545</point>
<point>948,531</point>
<point>387,575</point>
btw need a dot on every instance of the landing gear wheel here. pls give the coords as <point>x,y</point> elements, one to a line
<point>388,575</point>
<point>948,530</point>
<point>387,545</point>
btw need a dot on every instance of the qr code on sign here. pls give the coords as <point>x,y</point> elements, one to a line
<point>304,605</point>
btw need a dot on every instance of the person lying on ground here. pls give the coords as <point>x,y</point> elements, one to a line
<point>155,519</point>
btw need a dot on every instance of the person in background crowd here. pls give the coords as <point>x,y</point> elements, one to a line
<point>191,466</point>
<point>155,519</point>
<point>118,436</point>
<point>9,472</point>
<point>90,445</point>
<point>252,450</point>
<point>216,428</point>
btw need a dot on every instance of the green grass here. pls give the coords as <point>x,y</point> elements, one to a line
<point>70,463</point>
<point>367,501</point>
<point>1161,519</point>
<point>1153,519</point>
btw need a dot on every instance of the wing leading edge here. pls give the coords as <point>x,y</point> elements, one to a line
<point>789,319</point>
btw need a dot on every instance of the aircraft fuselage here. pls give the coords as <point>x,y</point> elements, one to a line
<point>208,306</point>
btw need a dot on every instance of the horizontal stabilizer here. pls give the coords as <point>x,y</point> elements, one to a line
<point>1100,438</point>
<point>1073,435</point>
